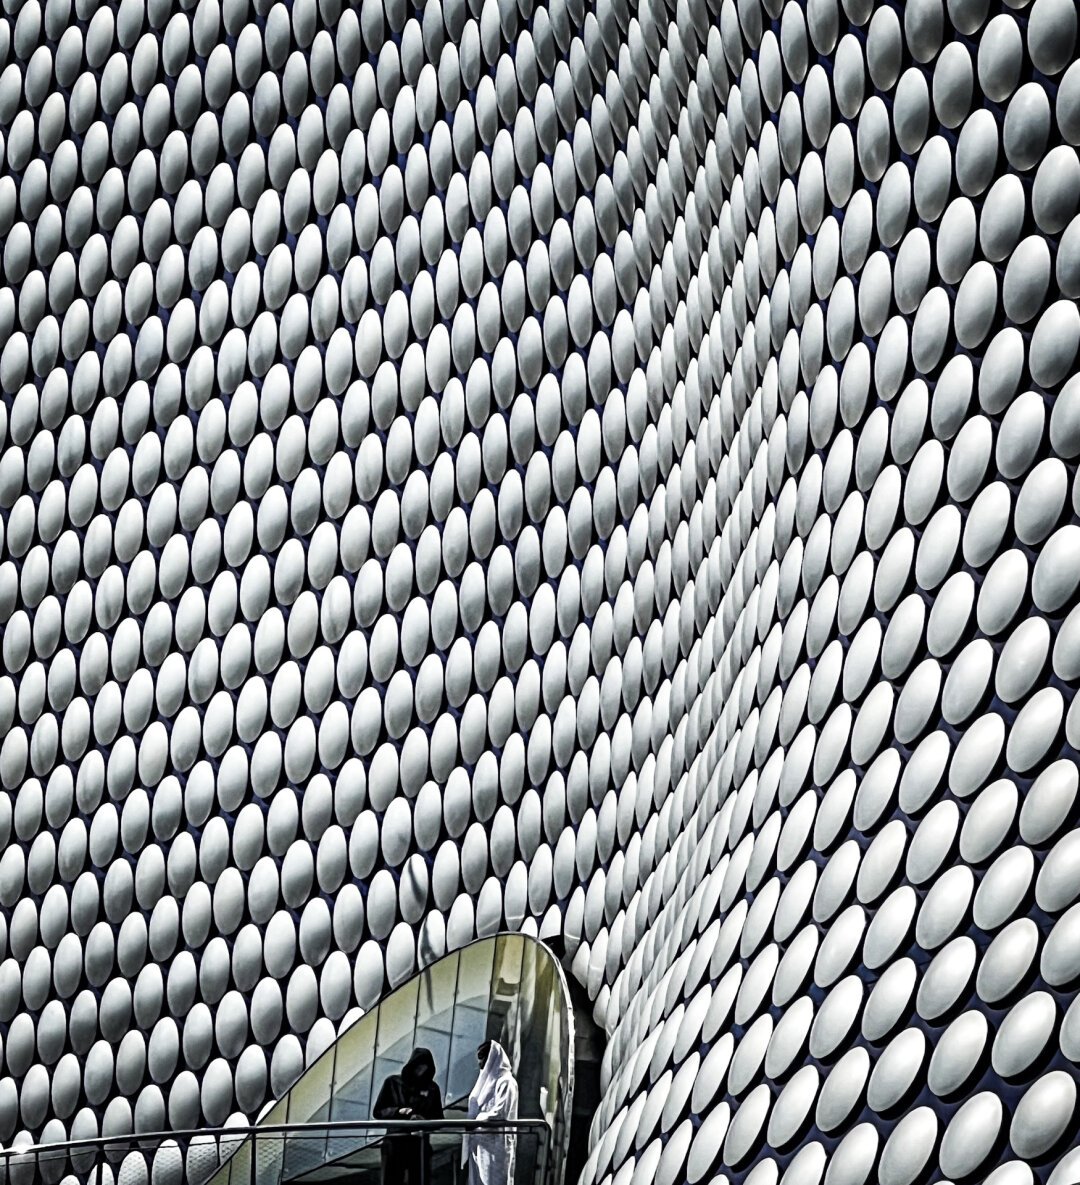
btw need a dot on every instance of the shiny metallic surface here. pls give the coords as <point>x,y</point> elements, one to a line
<point>600,470</point>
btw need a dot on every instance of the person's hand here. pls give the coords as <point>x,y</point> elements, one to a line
<point>406,1112</point>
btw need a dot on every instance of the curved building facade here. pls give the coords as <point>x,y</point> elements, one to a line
<point>604,471</point>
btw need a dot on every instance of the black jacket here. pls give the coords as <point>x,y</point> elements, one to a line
<point>406,1159</point>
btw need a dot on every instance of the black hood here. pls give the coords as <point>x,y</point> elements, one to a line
<point>420,1059</point>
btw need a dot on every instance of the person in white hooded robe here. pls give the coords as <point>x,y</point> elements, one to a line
<point>494,1098</point>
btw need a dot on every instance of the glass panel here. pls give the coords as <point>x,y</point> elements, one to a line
<point>397,1024</point>
<point>534,1052</point>
<point>531,1051</point>
<point>269,1154</point>
<point>223,1174</point>
<point>446,1159</point>
<point>309,1102</point>
<point>504,1022</point>
<point>470,1017</point>
<point>552,1032</point>
<point>352,1070</point>
<point>269,1149</point>
<point>238,1171</point>
<point>435,1016</point>
<point>312,1091</point>
<point>352,1083</point>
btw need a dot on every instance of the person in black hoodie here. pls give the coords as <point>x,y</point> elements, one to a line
<point>412,1094</point>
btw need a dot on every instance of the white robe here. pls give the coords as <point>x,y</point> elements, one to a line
<point>495,1096</point>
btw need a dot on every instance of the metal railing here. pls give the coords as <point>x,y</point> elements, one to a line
<point>346,1151</point>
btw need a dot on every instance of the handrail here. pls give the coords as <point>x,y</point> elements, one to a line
<point>156,1139</point>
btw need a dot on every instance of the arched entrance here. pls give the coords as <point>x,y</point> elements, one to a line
<point>510,988</point>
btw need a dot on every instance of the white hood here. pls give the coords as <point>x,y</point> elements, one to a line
<point>490,1156</point>
<point>495,1074</point>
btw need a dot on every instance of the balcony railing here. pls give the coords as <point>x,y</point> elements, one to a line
<point>275,1154</point>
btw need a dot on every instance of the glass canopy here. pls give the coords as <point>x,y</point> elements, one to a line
<point>509,988</point>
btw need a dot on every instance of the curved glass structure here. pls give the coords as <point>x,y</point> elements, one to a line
<point>509,988</point>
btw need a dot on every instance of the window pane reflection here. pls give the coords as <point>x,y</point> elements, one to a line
<point>473,998</point>
<point>435,1017</point>
<point>397,1024</point>
<point>504,1024</point>
<point>352,1076</point>
<point>352,1084</point>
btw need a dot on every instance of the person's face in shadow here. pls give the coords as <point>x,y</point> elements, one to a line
<point>482,1054</point>
<point>421,1072</point>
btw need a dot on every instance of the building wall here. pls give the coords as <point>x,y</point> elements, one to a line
<point>599,469</point>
